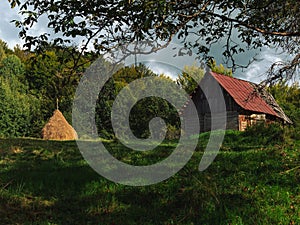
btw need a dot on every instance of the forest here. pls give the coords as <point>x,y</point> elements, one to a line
<point>32,83</point>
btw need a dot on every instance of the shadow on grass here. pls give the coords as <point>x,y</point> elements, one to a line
<point>43,182</point>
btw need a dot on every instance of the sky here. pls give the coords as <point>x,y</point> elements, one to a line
<point>255,72</point>
<point>8,31</point>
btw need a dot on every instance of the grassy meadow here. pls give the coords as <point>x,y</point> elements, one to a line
<point>253,180</point>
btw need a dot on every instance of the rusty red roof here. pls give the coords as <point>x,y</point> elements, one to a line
<point>244,94</point>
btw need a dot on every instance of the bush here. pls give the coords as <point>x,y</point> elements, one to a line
<point>18,111</point>
<point>265,134</point>
<point>173,133</point>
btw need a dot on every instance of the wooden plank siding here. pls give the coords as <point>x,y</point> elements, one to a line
<point>201,102</point>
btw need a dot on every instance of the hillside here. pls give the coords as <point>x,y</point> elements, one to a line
<point>253,180</point>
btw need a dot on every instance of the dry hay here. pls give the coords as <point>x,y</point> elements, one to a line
<point>58,128</point>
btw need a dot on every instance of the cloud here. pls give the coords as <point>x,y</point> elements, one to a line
<point>256,72</point>
<point>8,32</point>
<point>163,68</point>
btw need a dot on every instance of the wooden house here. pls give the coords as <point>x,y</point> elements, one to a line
<point>246,103</point>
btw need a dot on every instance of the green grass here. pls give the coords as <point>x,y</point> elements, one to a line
<point>250,182</point>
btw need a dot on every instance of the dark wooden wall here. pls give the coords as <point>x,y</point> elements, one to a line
<point>201,101</point>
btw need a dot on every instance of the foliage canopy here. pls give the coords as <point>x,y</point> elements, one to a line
<point>240,25</point>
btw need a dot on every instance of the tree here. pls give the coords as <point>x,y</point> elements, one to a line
<point>219,69</point>
<point>150,107</point>
<point>190,77</point>
<point>24,56</point>
<point>2,53</point>
<point>143,111</point>
<point>5,48</point>
<point>12,66</point>
<point>240,25</point>
<point>15,111</point>
<point>288,97</point>
<point>18,108</point>
<point>12,69</point>
<point>51,76</point>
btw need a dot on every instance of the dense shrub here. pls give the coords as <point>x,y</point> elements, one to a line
<point>17,111</point>
<point>265,134</point>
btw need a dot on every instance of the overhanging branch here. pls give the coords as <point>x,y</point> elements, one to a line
<point>260,30</point>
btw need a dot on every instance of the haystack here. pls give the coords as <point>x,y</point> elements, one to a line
<point>58,128</point>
